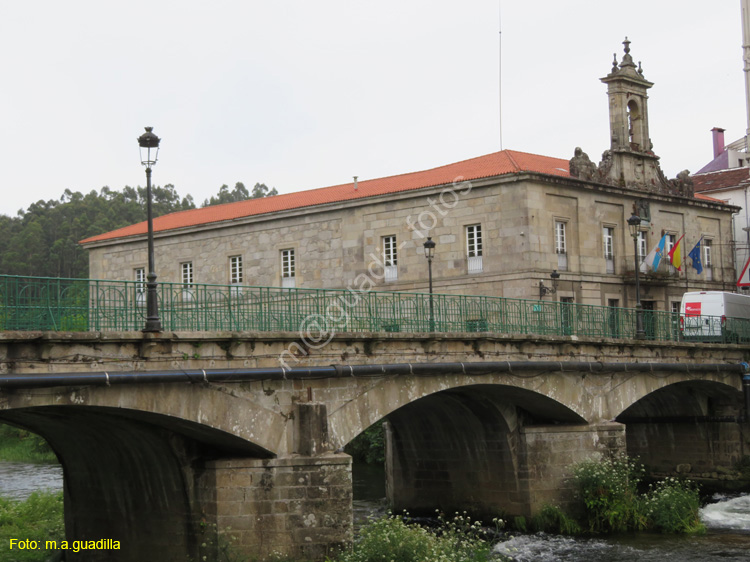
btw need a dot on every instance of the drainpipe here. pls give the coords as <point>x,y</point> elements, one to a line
<point>538,368</point>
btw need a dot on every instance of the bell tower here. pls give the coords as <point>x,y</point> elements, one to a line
<point>632,160</point>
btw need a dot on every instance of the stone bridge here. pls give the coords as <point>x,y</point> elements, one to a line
<point>168,439</point>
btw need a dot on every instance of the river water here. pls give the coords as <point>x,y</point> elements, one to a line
<point>727,519</point>
<point>18,480</point>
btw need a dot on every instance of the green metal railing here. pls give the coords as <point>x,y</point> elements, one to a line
<point>34,303</point>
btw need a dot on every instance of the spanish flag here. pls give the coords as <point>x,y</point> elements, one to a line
<point>675,254</point>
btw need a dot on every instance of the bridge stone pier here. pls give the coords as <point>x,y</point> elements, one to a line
<point>171,442</point>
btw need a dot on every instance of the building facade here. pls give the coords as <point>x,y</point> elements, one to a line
<point>502,224</point>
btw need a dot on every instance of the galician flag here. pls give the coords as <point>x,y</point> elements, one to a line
<point>675,254</point>
<point>653,258</point>
<point>695,255</point>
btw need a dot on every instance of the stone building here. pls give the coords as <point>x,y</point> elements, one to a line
<point>731,186</point>
<point>502,223</point>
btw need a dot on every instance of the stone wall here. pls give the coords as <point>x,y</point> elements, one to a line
<point>295,506</point>
<point>696,449</point>
<point>547,455</point>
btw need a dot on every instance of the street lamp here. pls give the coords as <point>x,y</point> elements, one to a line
<point>429,252</point>
<point>543,290</point>
<point>634,222</point>
<point>149,146</point>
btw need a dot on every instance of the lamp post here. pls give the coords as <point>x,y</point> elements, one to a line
<point>634,222</point>
<point>543,290</point>
<point>149,146</point>
<point>429,252</point>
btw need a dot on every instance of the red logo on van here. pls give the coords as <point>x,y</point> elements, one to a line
<point>692,309</point>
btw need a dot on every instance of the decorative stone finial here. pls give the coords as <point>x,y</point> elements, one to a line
<point>614,64</point>
<point>627,60</point>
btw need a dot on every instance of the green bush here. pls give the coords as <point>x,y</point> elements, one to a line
<point>39,518</point>
<point>395,539</point>
<point>609,491</point>
<point>672,505</point>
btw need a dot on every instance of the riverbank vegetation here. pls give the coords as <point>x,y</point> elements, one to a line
<point>397,539</point>
<point>608,491</point>
<point>39,518</point>
<point>19,445</point>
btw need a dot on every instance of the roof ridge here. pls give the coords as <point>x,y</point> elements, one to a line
<point>737,169</point>
<point>513,160</point>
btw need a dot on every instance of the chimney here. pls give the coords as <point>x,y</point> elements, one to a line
<point>718,136</point>
<point>355,181</point>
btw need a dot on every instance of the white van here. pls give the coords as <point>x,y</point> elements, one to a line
<point>715,316</point>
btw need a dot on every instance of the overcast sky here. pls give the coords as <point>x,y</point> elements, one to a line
<point>300,94</point>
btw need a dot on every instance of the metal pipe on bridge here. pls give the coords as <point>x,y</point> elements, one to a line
<point>109,378</point>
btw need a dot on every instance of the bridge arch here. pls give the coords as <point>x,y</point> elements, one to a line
<point>691,427</point>
<point>210,407</point>
<point>462,448</point>
<point>127,471</point>
<point>675,393</point>
<point>378,399</point>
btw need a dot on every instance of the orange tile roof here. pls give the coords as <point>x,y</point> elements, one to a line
<point>495,164</point>
<point>707,198</point>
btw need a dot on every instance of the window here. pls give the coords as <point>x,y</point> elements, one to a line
<point>187,273</point>
<point>642,245</point>
<point>390,258</point>
<point>708,259</point>
<point>561,246</point>
<point>671,241</point>
<point>140,286</point>
<point>608,239</point>
<point>235,270</point>
<point>288,270</point>
<point>474,248</point>
<point>187,280</point>
<point>235,274</point>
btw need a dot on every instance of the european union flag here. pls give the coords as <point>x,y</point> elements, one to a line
<point>695,255</point>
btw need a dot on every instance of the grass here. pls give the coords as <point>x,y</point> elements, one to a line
<point>39,518</point>
<point>19,445</point>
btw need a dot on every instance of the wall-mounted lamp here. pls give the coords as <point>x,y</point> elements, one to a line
<point>555,276</point>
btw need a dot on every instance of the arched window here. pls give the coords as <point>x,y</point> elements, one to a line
<point>634,124</point>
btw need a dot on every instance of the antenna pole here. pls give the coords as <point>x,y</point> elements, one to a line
<point>500,69</point>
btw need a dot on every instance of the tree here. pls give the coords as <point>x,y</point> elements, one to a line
<point>261,190</point>
<point>239,193</point>
<point>42,241</point>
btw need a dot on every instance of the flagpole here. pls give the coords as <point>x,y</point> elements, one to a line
<point>684,264</point>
